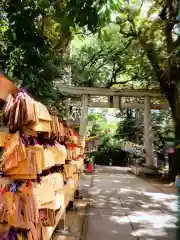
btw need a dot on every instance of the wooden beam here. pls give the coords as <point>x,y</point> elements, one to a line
<point>107,92</point>
<point>123,105</point>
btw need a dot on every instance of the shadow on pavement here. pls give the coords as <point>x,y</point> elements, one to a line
<point>125,207</point>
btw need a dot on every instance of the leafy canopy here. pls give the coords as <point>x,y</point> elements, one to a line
<point>34,39</point>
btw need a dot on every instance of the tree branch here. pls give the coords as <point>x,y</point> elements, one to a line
<point>97,55</point>
<point>126,47</point>
<point>101,65</point>
<point>100,53</point>
<point>169,15</point>
<point>168,34</point>
<point>92,58</point>
<point>127,34</point>
<point>113,77</point>
<point>151,54</point>
<point>110,84</point>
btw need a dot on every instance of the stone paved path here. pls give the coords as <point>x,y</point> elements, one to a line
<point>124,207</point>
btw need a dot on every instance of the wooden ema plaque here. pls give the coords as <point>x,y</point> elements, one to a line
<point>6,87</point>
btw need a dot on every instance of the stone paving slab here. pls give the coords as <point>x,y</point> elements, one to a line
<point>103,199</point>
<point>159,235</point>
<point>153,223</point>
<point>103,225</point>
<point>143,203</point>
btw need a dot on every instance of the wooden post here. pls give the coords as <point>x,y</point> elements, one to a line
<point>82,132</point>
<point>116,102</point>
<point>148,138</point>
<point>83,118</point>
<point>110,101</point>
<point>137,116</point>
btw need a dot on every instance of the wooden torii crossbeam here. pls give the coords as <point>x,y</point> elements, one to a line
<point>155,93</point>
<point>121,105</point>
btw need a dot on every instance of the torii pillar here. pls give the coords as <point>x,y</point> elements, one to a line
<point>82,133</point>
<point>137,117</point>
<point>148,135</point>
<point>84,116</point>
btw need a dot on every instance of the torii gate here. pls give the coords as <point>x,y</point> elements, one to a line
<point>86,92</point>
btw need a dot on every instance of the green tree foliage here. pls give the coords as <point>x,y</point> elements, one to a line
<point>100,125</point>
<point>97,124</point>
<point>108,59</point>
<point>127,128</point>
<point>163,125</point>
<point>34,39</point>
<point>109,151</point>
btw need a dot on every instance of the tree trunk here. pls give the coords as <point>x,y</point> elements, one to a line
<point>175,159</point>
<point>172,95</point>
<point>175,164</point>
